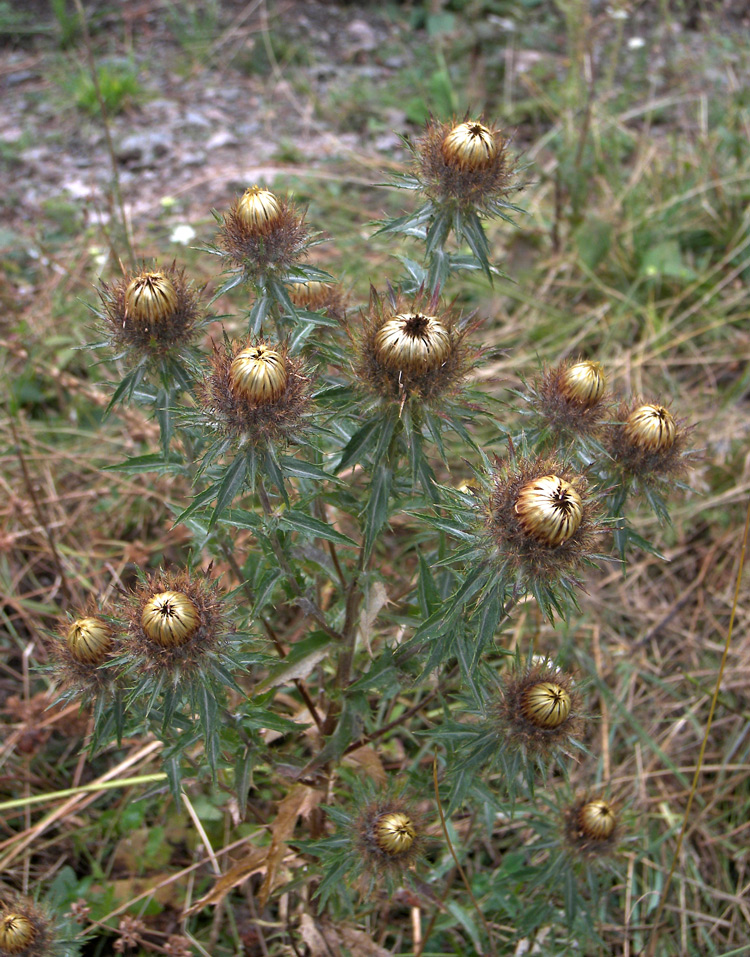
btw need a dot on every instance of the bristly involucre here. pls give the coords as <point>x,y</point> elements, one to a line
<point>389,836</point>
<point>25,929</point>
<point>570,400</point>
<point>412,348</point>
<point>254,392</point>
<point>463,164</point>
<point>647,443</point>
<point>592,827</point>
<point>154,312</point>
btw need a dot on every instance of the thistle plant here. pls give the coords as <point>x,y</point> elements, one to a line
<point>379,535</point>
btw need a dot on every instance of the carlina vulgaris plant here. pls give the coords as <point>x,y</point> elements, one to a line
<point>317,296</point>
<point>591,827</point>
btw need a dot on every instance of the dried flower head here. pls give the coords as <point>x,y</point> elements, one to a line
<point>569,400</point>
<point>89,640</point>
<point>541,522</point>
<point>258,374</point>
<point>463,164</point>
<point>389,837</point>
<point>25,930</point>
<point>549,509</point>
<point>155,312</point>
<point>254,392</point>
<point>259,210</point>
<point>539,709</point>
<point>651,428</point>
<point>170,618</point>
<point>149,298</point>
<point>316,296</point>
<point>647,443</point>
<point>176,625</point>
<point>80,647</point>
<point>470,146</point>
<point>262,234</point>
<point>583,383</point>
<point>411,349</point>
<point>591,826</point>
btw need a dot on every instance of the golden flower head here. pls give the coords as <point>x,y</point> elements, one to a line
<point>597,819</point>
<point>412,343</point>
<point>647,443</point>
<point>262,234</point>
<point>583,383</point>
<point>389,836</point>
<point>154,312</point>
<point>470,146</point>
<point>258,374</point>
<point>316,296</point>
<point>16,933</point>
<point>651,428</point>
<point>463,164</point>
<point>176,623</point>
<point>411,348</point>
<point>539,709</point>
<point>549,510</point>
<point>395,833</point>
<point>25,930</point>
<point>89,640</point>
<point>254,392</point>
<point>170,618</point>
<point>591,826</point>
<point>546,704</point>
<point>541,522</point>
<point>150,297</point>
<point>259,209</point>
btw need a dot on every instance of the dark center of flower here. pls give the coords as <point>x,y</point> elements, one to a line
<point>561,500</point>
<point>166,610</point>
<point>416,326</point>
<point>477,130</point>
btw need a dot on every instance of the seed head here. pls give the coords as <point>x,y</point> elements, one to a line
<point>469,146</point>
<point>583,383</point>
<point>170,618</point>
<point>597,819</point>
<point>259,209</point>
<point>413,343</point>
<point>317,296</point>
<point>89,640</point>
<point>549,510</point>
<point>150,297</point>
<point>16,933</point>
<point>651,428</point>
<point>546,704</point>
<point>258,374</point>
<point>395,833</point>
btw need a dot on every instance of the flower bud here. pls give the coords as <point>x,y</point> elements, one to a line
<point>16,933</point>
<point>395,833</point>
<point>549,510</point>
<point>412,342</point>
<point>150,297</point>
<point>597,820</point>
<point>259,209</point>
<point>651,428</point>
<point>469,146</point>
<point>170,619</point>
<point>258,374</point>
<point>583,383</point>
<point>89,640</point>
<point>546,704</point>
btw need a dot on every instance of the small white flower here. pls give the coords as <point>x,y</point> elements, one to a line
<point>635,43</point>
<point>167,202</point>
<point>182,234</point>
